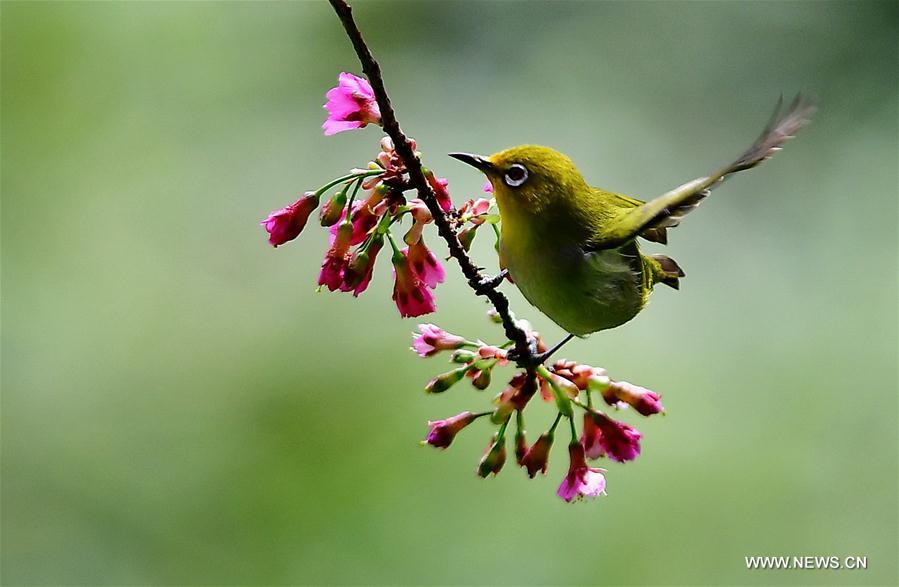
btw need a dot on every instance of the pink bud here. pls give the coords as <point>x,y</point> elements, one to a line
<point>431,339</point>
<point>287,223</point>
<point>444,431</point>
<point>494,459</point>
<point>537,457</point>
<point>336,258</point>
<point>643,400</point>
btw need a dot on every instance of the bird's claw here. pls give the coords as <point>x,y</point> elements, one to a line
<point>532,360</point>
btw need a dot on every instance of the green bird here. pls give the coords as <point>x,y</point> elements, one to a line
<point>572,249</point>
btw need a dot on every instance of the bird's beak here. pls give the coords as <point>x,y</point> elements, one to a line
<point>475,161</point>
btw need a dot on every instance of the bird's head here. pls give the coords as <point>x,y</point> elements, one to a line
<point>528,178</point>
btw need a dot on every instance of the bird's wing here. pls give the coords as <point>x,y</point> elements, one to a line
<point>656,235</point>
<point>667,210</point>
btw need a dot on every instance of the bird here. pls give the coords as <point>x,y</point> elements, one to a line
<point>572,249</point>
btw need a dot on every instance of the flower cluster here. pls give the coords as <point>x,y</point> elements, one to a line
<point>565,383</point>
<point>361,213</point>
<point>367,203</point>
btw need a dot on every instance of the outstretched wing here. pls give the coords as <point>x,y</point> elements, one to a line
<point>667,210</point>
<point>656,235</point>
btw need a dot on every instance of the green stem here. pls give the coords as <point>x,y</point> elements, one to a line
<point>396,249</point>
<point>326,187</point>
<point>552,429</point>
<point>353,196</point>
<point>502,430</point>
<point>573,429</point>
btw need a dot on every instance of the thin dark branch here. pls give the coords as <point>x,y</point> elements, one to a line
<point>419,182</point>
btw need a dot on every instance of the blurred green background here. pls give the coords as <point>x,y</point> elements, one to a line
<point>181,407</point>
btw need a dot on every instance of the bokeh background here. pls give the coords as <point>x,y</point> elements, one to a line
<point>181,407</point>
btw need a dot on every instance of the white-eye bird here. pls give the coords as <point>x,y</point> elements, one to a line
<point>572,249</point>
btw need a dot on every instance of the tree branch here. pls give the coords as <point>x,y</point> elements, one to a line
<point>419,182</point>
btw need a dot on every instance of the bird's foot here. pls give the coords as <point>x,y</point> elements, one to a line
<point>534,359</point>
<point>531,360</point>
<point>488,283</point>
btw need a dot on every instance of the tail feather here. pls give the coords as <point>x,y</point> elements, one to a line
<point>666,270</point>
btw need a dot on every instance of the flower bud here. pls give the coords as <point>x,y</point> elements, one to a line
<point>643,400</point>
<point>502,412</point>
<point>431,339</point>
<point>332,211</point>
<point>482,379</point>
<point>287,223</point>
<point>463,356</point>
<point>466,236</point>
<point>494,459</point>
<point>444,431</point>
<point>446,380</point>
<point>335,261</point>
<point>521,446</point>
<point>563,390</point>
<point>494,316</point>
<point>537,457</point>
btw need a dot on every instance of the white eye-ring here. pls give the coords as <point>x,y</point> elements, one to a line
<point>516,175</point>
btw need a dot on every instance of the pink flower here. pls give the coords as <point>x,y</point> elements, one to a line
<point>618,440</point>
<point>336,258</point>
<point>350,105</point>
<point>444,431</point>
<point>537,457</point>
<point>425,264</point>
<point>438,184</point>
<point>581,480</point>
<point>420,216</point>
<point>432,339</point>
<point>411,294</point>
<point>591,439</point>
<point>287,223</point>
<point>474,210</point>
<point>487,187</point>
<point>646,402</point>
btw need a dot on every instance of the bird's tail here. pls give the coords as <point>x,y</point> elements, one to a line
<point>663,269</point>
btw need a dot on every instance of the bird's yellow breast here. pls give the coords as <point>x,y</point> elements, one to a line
<point>581,291</point>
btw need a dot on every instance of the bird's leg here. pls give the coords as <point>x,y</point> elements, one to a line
<point>537,358</point>
<point>481,287</point>
<point>542,357</point>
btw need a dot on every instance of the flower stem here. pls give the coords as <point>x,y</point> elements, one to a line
<point>360,175</point>
<point>349,204</point>
<point>501,434</point>
<point>573,429</point>
<point>552,429</point>
<point>396,249</point>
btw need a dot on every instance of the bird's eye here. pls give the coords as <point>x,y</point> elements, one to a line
<point>516,175</point>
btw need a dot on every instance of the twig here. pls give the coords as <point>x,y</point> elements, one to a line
<point>419,182</point>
